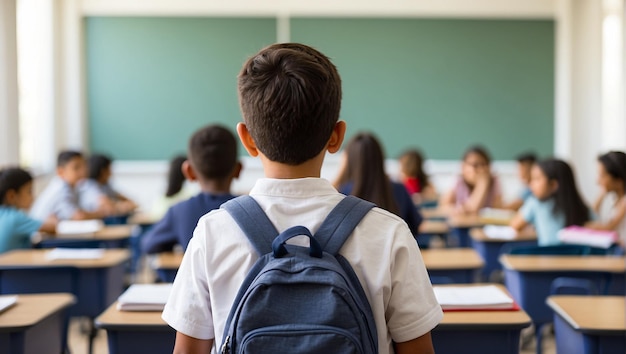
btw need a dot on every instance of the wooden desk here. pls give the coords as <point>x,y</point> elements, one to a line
<point>435,214</point>
<point>529,278</point>
<point>589,324</point>
<point>491,248</point>
<point>136,332</point>
<point>36,324</point>
<point>458,264</point>
<point>429,227</point>
<point>166,265</point>
<point>480,332</point>
<point>111,236</point>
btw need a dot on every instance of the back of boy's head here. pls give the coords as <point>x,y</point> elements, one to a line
<point>478,150</point>
<point>97,164</point>
<point>12,178</point>
<point>527,157</point>
<point>213,152</point>
<point>290,98</point>
<point>614,163</point>
<point>66,156</point>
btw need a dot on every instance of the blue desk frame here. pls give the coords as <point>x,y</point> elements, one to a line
<point>531,289</point>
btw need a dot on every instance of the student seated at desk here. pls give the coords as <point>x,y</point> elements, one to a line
<point>213,163</point>
<point>61,197</point>
<point>363,175</point>
<point>610,207</point>
<point>477,187</point>
<point>414,178</point>
<point>97,193</point>
<point>525,164</point>
<point>16,195</point>
<point>555,203</point>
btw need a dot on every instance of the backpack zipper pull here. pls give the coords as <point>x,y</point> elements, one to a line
<point>224,349</point>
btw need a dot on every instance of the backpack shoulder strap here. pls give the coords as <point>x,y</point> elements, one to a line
<point>253,221</point>
<point>339,224</point>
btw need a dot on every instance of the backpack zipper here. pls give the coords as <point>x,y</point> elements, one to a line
<point>224,349</point>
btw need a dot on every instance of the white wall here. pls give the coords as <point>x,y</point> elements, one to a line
<point>9,127</point>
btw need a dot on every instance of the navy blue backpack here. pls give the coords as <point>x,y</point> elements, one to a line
<point>300,299</point>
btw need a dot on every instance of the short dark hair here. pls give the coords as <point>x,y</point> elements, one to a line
<point>478,150</point>
<point>614,163</point>
<point>12,178</point>
<point>527,157</point>
<point>290,98</point>
<point>66,156</point>
<point>98,163</point>
<point>213,152</point>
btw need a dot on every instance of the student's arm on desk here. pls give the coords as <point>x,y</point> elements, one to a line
<point>419,345</point>
<point>620,213</point>
<point>49,226</point>
<point>518,222</point>
<point>189,345</point>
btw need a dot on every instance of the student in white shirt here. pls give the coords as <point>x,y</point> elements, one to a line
<point>290,97</point>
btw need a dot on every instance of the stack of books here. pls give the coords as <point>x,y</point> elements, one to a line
<point>578,235</point>
<point>144,297</point>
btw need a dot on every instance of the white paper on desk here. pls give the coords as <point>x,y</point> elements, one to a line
<point>500,232</point>
<point>79,227</point>
<point>75,253</point>
<point>7,301</point>
<point>144,297</point>
<point>472,297</point>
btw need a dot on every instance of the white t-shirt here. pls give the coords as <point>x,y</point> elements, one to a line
<point>382,252</point>
<point>607,211</point>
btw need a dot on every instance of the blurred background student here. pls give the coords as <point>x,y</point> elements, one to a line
<point>363,175</point>
<point>414,178</point>
<point>96,191</point>
<point>213,163</point>
<point>16,197</point>
<point>525,164</point>
<point>610,206</point>
<point>477,187</point>
<point>555,203</point>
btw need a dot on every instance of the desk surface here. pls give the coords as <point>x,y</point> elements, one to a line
<point>451,258</point>
<point>433,227</point>
<point>109,232</point>
<point>485,318</point>
<point>37,257</point>
<point>601,314</point>
<point>465,220</point>
<point>434,213</point>
<point>32,308</point>
<point>526,263</point>
<point>142,219</point>
<point>167,260</point>
<point>113,318</point>
<point>478,234</point>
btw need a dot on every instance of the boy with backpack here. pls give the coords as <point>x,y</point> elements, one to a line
<point>290,97</point>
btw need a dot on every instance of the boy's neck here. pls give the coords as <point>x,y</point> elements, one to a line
<point>309,169</point>
<point>214,186</point>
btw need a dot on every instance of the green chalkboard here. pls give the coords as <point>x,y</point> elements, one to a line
<point>443,84</point>
<point>152,81</point>
<point>438,84</point>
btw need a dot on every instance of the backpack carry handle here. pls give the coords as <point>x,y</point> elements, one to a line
<point>278,245</point>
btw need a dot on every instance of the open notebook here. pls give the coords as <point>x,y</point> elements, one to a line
<point>144,297</point>
<point>487,297</point>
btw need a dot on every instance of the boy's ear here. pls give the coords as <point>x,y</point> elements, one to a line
<point>188,171</point>
<point>60,171</point>
<point>336,137</point>
<point>246,140</point>
<point>10,197</point>
<point>237,170</point>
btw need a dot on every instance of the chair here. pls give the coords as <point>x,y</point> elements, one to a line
<point>573,286</point>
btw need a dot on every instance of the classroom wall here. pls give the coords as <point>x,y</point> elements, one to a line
<point>9,129</point>
<point>578,24</point>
